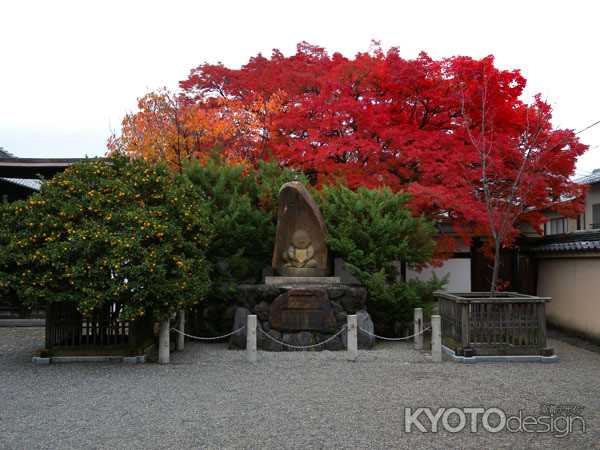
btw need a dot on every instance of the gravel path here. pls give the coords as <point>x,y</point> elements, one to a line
<point>211,397</point>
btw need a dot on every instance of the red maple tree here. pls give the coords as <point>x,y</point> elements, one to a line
<point>454,132</point>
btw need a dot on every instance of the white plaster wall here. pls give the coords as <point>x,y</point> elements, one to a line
<point>458,269</point>
<point>574,285</point>
<point>592,197</point>
<point>571,225</point>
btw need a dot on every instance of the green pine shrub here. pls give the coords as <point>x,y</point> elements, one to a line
<point>242,202</point>
<point>373,230</point>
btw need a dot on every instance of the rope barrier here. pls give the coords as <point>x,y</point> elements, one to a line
<point>394,339</point>
<point>208,338</point>
<point>214,338</point>
<point>302,347</point>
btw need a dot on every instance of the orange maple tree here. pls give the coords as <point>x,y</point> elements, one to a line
<point>169,128</point>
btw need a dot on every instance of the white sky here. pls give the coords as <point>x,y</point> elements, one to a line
<point>69,71</point>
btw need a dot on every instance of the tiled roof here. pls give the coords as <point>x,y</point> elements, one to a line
<point>578,242</point>
<point>580,246</point>
<point>32,184</point>
<point>28,183</point>
<point>593,178</point>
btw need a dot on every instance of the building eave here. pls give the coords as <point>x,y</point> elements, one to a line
<point>30,168</point>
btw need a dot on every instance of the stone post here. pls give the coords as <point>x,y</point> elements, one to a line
<point>251,338</point>
<point>418,340</point>
<point>181,328</point>
<point>436,338</point>
<point>163,342</point>
<point>352,337</point>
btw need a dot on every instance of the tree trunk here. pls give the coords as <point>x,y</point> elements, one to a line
<point>496,269</point>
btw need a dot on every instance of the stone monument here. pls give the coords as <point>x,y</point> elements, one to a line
<point>300,247</point>
<point>301,304</point>
<point>300,253</point>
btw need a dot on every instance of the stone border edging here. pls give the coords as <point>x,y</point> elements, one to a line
<point>19,323</point>
<point>515,358</point>
<point>85,359</point>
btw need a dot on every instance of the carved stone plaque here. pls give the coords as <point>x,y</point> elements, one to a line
<point>302,309</point>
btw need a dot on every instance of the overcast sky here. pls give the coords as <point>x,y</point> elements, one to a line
<point>69,71</point>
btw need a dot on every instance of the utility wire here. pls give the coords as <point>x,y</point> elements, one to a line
<point>588,127</point>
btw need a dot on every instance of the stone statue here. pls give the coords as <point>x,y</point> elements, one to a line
<point>300,241</point>
<point>300,253</point>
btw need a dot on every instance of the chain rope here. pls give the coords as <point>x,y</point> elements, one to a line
<point>214,338</point>
<point>208,338</point>
<point>302,347</point>
<point>394,339</point>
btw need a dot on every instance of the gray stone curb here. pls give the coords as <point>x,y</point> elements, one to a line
<point>40,361</point>
<point>13,323</point>
<point>516,358</point>
<point>88,359</point>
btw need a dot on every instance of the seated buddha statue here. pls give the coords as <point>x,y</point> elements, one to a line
<point>300,253</point>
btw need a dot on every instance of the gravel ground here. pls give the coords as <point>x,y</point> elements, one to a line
<point>210,397</point>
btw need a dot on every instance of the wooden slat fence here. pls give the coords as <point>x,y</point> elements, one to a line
<point>66,327</point>
<point>508,323</point>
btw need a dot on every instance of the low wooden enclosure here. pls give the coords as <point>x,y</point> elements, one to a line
<point>67,328</point>
<point>498,324</point>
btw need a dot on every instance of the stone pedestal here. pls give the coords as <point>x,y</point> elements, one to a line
<point>302,314</point>
<point>303,310</point>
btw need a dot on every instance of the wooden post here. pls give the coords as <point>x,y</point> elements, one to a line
<point>418,339</point>
<point>251,338</point>
<point>541,318</point>
<point>352,338</point>
<point>164,342</point>
<point>465,328</point>
<point>49,323</point>
<point>436,338</point>
<point>181,328</point>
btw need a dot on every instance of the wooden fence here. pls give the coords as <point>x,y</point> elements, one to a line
<point>476,323</point>
<point>66,327</point>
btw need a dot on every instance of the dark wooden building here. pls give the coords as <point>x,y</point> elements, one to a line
<point>518,268</point>
<point>19,178</point>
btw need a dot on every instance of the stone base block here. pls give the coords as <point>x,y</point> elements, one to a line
<point>302,280</point>
<point>311,314</point>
